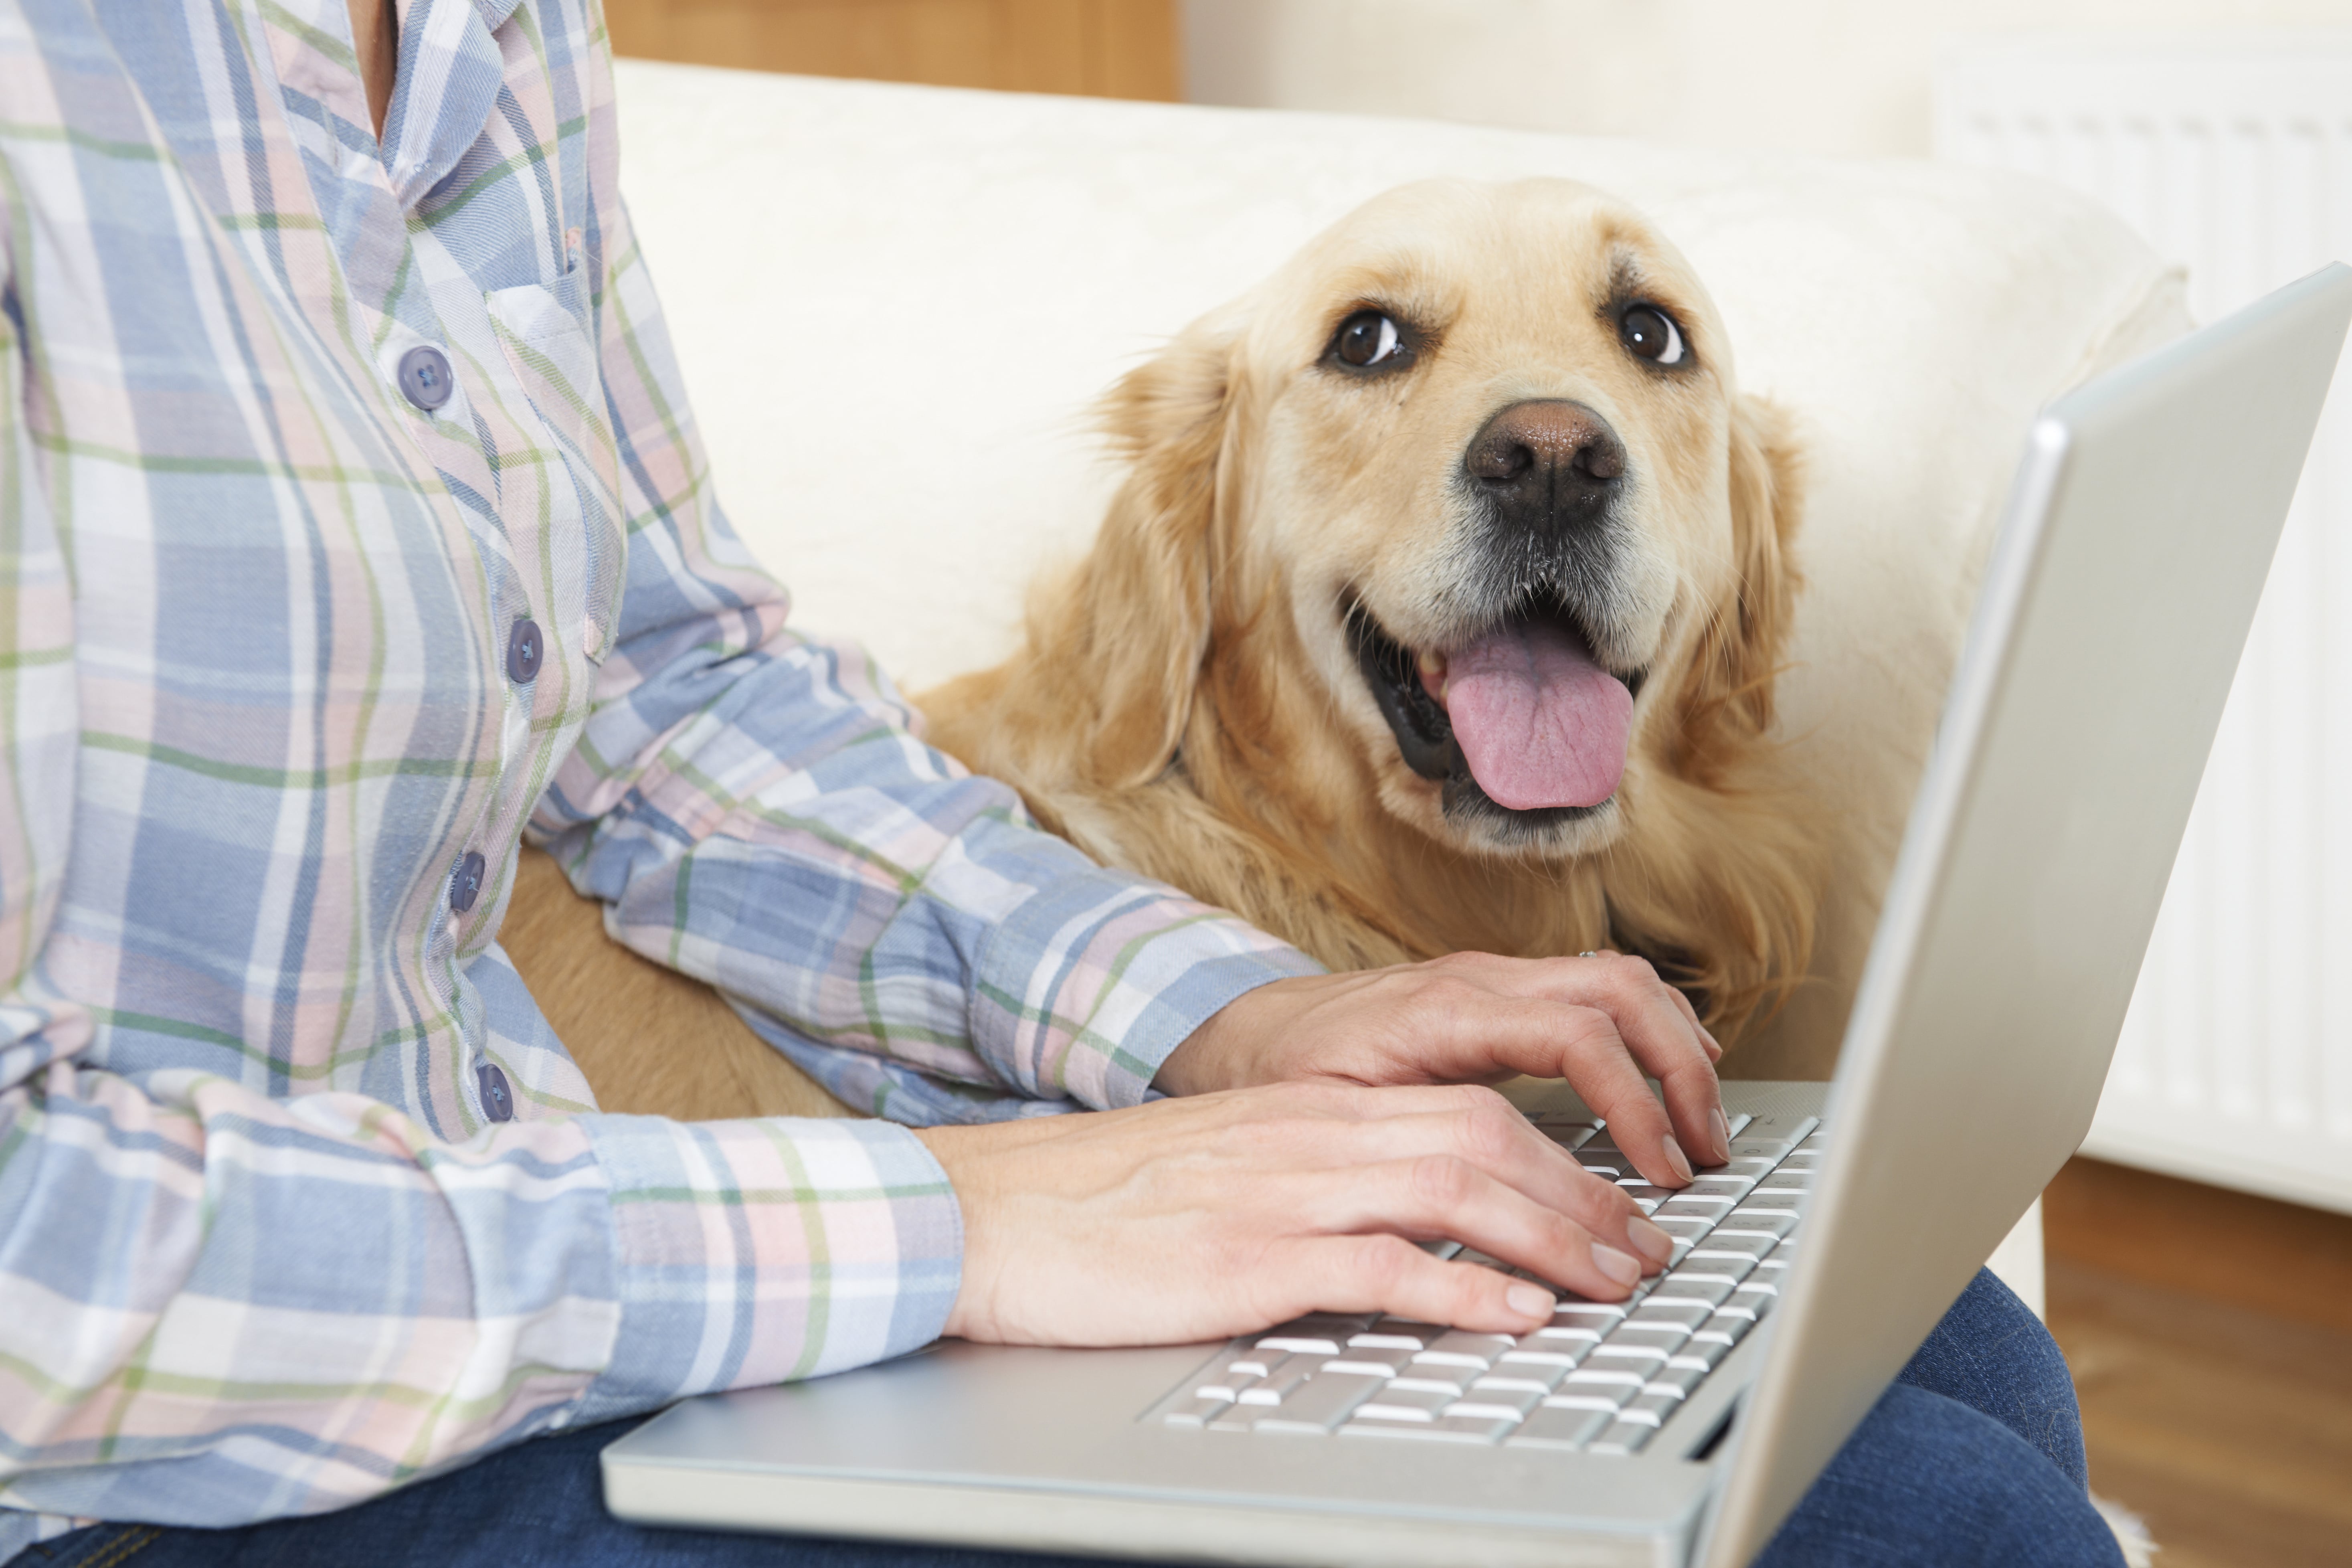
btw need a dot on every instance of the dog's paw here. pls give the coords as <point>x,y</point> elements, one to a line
<point>2131,1531</point>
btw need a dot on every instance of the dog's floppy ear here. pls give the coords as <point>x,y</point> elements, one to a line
<point>1727,695</point>
<point>1139,616</point>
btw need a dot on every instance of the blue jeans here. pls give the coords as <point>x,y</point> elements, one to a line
<point>1973,1455</point>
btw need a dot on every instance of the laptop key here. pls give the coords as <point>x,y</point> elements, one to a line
<point>1619,1382</point>
<point>1709,1185</point>
<point>1677,1381</point>
<point>1724,1329</point>
<point>1542,1350</point>
<point>1651,1409</point>
<point>1717,1244</point>
<point>1292,1373</point>
<point>1394,1333</point>
<point>1499,1404</point>
<point>1688,1226</point>
<point>1438,1375</point>
<point>1622,1438</point>
<point>1224,1383</point>
<point>1554,1426</point>
<point>1690,1289</point>
<point>1702,1207</point>
<point>1368,1362</point>
<point>1453,1429</point>
<point>1460,1348</point>
<point>1393,1404</point>
<point>1543,1376</point>
<point>1198,1411</point>
<point>1317,1333</point>
<point>1329,1398</point>
<point>1663,1336</point>
<point>1669,1312</point>
<point>1773,1222</point>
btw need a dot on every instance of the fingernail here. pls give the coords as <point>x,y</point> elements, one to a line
<point>1654,1243</point>
<point>1529,1300</point>
<point>1623,1267</point>
<point>1677,1159</point>
<point>1722,1136</point>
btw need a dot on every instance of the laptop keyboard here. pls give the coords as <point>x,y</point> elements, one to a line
<point>1602,1377</point>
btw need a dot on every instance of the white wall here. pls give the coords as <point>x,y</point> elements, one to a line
<point>1813,76</point>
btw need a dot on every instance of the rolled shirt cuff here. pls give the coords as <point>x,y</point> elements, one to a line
<point>760,1251</point>
<point>1085,988</point>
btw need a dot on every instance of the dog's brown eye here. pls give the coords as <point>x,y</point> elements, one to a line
<point>1652,334</point>
<point>1366,338</point>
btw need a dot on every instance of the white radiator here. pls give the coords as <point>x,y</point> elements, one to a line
<point>2235,160</point>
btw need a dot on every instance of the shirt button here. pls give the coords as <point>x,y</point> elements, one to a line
<point>524,647</point>
<point>466,885</point>
<point>425,378</point>
<point>495,1097</point>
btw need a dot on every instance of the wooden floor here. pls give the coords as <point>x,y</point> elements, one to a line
<point>2211,1336</point>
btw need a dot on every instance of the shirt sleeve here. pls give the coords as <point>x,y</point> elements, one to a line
<point>757,808</point>
<point>222,1306</point>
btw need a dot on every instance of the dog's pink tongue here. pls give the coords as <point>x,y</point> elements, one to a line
<point>1540,722</point>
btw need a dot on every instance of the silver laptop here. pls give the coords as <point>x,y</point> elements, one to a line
<point>1682,1427</point>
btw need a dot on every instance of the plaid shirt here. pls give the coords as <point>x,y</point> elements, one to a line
<point>266,1245</point>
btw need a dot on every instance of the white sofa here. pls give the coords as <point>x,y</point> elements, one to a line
<point>894,306</point>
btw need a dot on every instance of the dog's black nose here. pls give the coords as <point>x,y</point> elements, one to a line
<point>1546,466</point>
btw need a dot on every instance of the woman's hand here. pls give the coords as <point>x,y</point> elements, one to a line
<point>1215,1214</point>
<point>1598,1022</point>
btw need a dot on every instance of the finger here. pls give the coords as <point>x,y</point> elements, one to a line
<point>1690,1014</point>
<point>1581,1044</point>
<point>1385,1273</point>
<point>1435,1195</point>
<point>1659,1027</point>
<point>1492,1135</point>
<point>1705,1036</point>
<point>1645,1016</point>
<point>1596,1061</point>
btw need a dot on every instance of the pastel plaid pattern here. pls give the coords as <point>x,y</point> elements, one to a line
<point>262,1250</point>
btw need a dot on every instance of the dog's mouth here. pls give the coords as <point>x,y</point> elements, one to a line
<point>1521,720</point>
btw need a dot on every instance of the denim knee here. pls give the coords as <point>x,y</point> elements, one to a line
<point>1992,1353</point>
<point>1928,1482</point>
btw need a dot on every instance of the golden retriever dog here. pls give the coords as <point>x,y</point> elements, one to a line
<point>1441,608</point>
